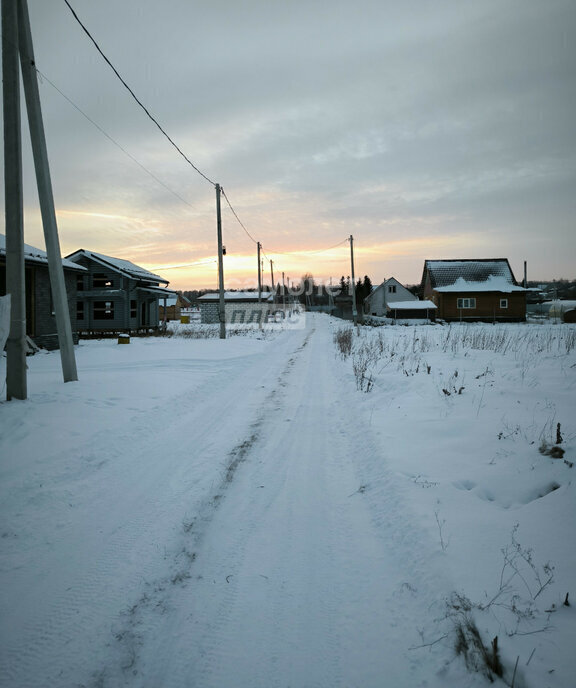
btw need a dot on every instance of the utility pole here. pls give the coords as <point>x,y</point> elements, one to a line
<point>16,383</point>
<point>272,275</point>
<point>259,245</point>
<point>283,297</point>
<point>221,303</point>
<point>353,283</point>
<point>45,195</point>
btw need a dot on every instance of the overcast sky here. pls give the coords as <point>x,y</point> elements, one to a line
<point>427,129</point>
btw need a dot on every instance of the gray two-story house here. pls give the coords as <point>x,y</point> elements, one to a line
<point>116,295</point>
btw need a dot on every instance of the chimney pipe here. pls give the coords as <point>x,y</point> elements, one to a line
<point>525,276</point>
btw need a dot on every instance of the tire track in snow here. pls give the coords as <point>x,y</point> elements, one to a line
<point>290,586</point>
<point>300,581</point>
<point>54,637</point>
<point>161,595</point>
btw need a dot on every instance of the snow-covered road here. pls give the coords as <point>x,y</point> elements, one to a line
<point>233,514</point>
<point>293,583</point>
<point>218,537</point>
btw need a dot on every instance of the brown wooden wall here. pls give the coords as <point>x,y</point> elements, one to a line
<point>487,306</point>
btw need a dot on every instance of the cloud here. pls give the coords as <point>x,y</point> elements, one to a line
<point>444,126</point>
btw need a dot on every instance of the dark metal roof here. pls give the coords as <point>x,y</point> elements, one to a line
<point>443,273</point>
<point>37,255</point>
<point>124,267</point>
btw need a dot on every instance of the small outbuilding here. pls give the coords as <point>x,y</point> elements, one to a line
<point>411,310</point>
<point>392,300</point>
<point>240,307</point>
<point>171,307</point>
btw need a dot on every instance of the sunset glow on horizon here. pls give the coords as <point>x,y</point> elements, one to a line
<point>433,134</point>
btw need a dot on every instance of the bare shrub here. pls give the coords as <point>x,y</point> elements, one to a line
<point>360,365</point>
<point>468,641</point>
<point>343,340</point>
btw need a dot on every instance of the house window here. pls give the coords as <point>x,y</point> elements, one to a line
<point>466,303</point>
<point>103,310</point>
<point>133,308</point>
<point>392,289</point>
<point>79,310</point>
<point>503,303</point>
<point>80,282</point>
<point>101,281</point>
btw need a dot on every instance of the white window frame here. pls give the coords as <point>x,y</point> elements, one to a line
<point>466,303</point>
<point>503,303</point>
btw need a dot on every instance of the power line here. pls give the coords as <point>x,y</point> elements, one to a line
<point>296,253</point>
<point>155,121</point>
<point>95,124</point>
<point>183,265</point>
<point>151,117</point>
<point>236,216</point>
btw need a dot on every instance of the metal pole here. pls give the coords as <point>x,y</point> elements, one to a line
<point>353,283</point>
<point>16,383</point>
<point>525,285</point>
<point>45,195</point>
<point>221,303</point>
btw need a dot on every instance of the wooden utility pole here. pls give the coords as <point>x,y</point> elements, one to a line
<point>259,272</point>
<point>353,283</point>
<point>259,286</point>
<point>272,276</point>
<point>45,195</point>
<point>16,383</point>
<point>221,302</point>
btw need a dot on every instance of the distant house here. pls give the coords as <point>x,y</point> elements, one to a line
<point>482,290</point>
<point>116,295</point>
<point>240,307</point>
<point>391,299</point>
<point>171,308</point>
<point>40,316</point>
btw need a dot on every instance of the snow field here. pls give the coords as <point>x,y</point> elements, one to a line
<point>207,513</point>
<point>462,412</point>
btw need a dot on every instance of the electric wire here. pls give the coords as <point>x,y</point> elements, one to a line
<point>184,265</point>
<point>236,216</point>
<point>102,131</point>
<point>153,119</point>
<point>135,97</point>
<point>297,253</point>
<point>162,130</point>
